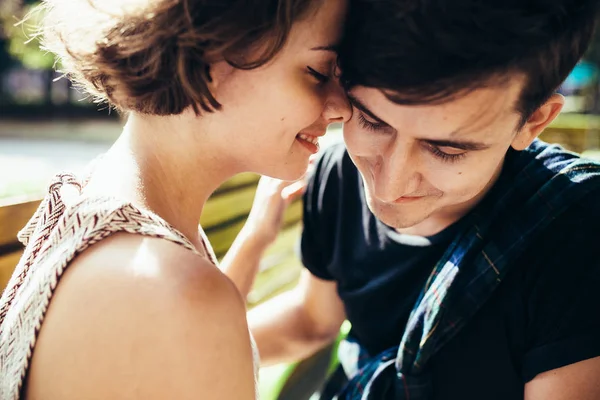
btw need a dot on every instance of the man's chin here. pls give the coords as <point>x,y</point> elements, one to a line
<point>396,217</point>
<point>399,223</point>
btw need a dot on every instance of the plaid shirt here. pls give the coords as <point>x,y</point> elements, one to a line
<point>536,186</point>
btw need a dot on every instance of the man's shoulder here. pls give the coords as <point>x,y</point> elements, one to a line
<point>547,182</point>
<point>559,192</point>
<point>569,244</point>
<point>548,160</point>
<point>559,280</point>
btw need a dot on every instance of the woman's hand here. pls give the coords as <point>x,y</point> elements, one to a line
<point>270,202</point>
<point>242,261</point>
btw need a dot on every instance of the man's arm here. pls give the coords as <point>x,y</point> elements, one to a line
<point>298,323</point>
<point>579,381</point>
<point>562,360</point>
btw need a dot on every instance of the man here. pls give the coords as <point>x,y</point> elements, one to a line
<point>463,251</point>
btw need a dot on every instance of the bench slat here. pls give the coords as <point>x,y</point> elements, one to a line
<point>224,216</point>
<point>284,245</point>
<point>13,218</point>
<point>273,281</point>
<point>240,180</point>
<point>8,262</point>
<point>228,206</point>
<point>223,237</point>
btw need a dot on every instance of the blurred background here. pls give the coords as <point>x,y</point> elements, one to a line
<point>47,126</point>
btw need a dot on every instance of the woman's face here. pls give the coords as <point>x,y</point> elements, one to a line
<point>273,115</point>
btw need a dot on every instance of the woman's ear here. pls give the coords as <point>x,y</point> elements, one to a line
<point>219,72</point>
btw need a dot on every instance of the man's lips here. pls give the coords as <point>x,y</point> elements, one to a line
<point>407,199</point>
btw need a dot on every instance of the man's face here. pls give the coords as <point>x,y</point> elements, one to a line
<point>424,167</point>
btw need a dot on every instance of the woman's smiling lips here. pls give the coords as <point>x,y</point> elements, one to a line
<point>309,141</point>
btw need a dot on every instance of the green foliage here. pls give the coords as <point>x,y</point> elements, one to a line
<point>20,27</point>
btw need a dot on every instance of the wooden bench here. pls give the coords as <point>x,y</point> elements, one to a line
<point>14,214</point>
<point>224,216</point>
<point>576,132</point>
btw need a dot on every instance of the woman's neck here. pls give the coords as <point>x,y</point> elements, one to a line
<point>168,165</point>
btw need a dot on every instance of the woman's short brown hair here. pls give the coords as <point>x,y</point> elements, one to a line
<point>153,56</point>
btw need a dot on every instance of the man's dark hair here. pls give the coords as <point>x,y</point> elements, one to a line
<point>430,51</point>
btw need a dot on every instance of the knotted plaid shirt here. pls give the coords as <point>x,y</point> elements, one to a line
<point>536,186</point>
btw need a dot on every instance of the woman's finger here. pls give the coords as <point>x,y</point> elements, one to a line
<point>293,191</point>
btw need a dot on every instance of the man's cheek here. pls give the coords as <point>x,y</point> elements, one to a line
<point>467,190</point>
<point>361,142</point>
<point>457,186</point>
<point>353,142</point>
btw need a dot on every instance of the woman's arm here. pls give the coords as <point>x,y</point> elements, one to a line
<point>242,261</point>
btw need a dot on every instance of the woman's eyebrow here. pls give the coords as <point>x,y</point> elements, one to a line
<point>332,48</point>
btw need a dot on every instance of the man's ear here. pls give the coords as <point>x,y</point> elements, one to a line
<point>538,121</point>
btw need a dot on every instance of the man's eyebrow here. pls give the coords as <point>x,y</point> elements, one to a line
<point>466,145</point>
<point>333,48</point>
<point>358,104</point>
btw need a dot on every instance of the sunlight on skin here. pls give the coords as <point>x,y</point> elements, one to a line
<point>145,264</point>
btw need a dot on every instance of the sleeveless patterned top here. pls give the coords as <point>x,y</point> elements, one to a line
<point>64,225</point>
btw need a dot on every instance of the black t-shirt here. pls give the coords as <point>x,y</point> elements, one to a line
<point>546,313</point>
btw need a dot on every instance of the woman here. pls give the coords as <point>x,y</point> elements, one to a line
<point>118,295</point>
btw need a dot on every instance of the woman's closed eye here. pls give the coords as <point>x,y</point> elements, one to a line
<point>320,77</point>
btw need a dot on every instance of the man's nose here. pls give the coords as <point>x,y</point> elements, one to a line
<point>398,173</point>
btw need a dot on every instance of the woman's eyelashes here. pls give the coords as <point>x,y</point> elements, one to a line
<point>321,78</point>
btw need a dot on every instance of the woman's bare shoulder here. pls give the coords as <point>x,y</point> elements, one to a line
<point>135,265</point>
<point>151,317</point>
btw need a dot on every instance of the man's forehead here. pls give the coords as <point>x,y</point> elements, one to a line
<point>464,114</point>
